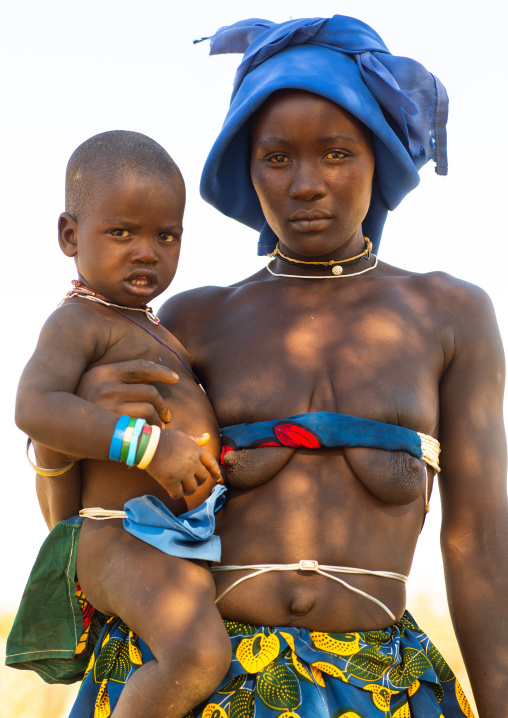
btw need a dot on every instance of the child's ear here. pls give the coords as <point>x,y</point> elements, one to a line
<point>68,234</point>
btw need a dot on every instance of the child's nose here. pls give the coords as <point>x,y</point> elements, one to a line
<point>145,250</point>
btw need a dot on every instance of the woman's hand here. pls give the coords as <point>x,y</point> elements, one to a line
<point>180,463</point>
<point>124,388</point>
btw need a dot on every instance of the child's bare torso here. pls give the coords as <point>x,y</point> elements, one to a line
<point>110,484</point>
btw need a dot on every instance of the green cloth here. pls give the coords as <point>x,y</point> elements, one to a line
<point>49,622</point>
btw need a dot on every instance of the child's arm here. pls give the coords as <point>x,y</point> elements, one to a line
<point>46,409</point>
<point>49,412</point>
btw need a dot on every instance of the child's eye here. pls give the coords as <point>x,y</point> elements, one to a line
<point>167,237</point>
<point>335,155</point>
<point>121,233</point>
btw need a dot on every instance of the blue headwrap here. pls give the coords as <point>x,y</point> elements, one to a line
<point>346,61</point>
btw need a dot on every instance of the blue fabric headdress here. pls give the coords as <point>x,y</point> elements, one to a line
<point>345,60</point>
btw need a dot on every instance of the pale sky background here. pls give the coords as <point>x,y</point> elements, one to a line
<point>72,69</point>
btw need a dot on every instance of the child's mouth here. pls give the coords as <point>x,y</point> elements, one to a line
<point>143,285</point>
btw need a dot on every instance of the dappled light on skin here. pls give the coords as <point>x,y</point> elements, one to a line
<point>312,329</point>
<point>368,347</point>
<point>323,492</point>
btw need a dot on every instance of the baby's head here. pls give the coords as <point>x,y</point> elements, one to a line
<point>124,204</point>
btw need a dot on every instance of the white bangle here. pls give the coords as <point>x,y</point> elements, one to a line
<point>151,447</point>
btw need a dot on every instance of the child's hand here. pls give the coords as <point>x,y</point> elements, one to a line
<point>180,464</point>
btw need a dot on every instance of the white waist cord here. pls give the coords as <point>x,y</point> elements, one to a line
<point>310,565</point>
<point>98,514</point>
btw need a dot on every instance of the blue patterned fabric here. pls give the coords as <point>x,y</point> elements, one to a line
<point>344,60</point>
<point>288,672</point>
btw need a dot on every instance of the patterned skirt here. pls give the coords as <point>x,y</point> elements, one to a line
<point>296,673</point>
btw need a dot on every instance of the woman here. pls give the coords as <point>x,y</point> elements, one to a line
<point>325,133</point>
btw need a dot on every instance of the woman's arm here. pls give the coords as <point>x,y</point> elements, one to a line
<point>474,536</point>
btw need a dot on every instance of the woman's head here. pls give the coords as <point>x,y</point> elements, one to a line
<point>346,62</point>
<point>312,165</point>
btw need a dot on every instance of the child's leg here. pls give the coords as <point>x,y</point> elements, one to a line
<point>169,603</point>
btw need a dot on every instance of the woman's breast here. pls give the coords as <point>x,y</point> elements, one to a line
<point>395,477</point>
<point>318,505</point>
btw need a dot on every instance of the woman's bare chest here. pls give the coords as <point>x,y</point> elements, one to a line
<point>379,362</point>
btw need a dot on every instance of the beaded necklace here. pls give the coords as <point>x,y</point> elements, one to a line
<point>333,263</point>
<point>84,292</point>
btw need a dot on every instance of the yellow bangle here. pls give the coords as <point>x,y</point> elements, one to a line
<point>46,472</point>
<point>150,449</point>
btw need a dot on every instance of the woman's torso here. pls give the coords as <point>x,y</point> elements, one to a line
<point>374,349</point>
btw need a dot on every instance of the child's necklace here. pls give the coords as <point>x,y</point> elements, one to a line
<point>83,292</point>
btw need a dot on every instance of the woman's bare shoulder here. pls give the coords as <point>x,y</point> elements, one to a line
<point>440,285</point>
<point>201,301</point>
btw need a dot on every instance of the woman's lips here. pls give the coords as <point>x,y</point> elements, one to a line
<point>312,224</point>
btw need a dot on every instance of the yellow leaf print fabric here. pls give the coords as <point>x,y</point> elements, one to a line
<point>295,673</point>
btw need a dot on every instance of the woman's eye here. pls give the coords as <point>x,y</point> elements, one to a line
<point>335,155</point>
<point>278,159</point>
<point>121,233</point>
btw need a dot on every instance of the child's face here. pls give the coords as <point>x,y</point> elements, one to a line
<point>128,243</point>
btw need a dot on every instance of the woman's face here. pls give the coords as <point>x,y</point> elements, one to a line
<point>312,166</point>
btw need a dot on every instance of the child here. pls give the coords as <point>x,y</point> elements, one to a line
<point>123,225</point>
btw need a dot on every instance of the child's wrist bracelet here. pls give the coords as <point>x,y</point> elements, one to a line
<point>133,445</point>
<point>144,438</point>
<point>115,448</point>
<point>150,449</point>
<point>127,438</point>
<point>46,472</point>
<point>134,442</point>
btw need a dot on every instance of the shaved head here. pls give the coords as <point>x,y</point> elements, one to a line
<point>105,157</point>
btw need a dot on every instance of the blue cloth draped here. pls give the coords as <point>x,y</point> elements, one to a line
<point>322,429</point>
<point>344,60</point>
<point>189,535</point>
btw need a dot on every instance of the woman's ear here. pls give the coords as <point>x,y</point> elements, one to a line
<point>68,234</point>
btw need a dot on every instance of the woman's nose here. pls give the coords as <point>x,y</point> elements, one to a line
<point>307,183</point>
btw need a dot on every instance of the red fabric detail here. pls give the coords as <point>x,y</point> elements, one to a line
<point>292,435</point>
<point>87,609</point>
<point>224,449</point>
